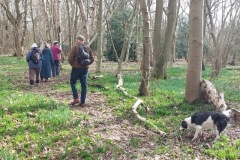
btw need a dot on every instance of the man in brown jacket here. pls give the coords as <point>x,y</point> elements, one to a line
<point>78,71</point>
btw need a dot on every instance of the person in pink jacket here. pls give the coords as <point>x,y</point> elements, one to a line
<point>56,52</point>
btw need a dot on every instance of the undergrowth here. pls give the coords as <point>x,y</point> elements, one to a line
<point>36,126</point>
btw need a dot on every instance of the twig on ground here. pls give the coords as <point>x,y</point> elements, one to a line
<point>136,105</point>
<point>96,77</point>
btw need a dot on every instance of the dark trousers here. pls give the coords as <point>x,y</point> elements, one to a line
<point>34,72</point>
<point>80,74</point>
<point>56,68</point>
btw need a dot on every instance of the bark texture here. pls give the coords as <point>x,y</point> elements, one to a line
<point>194,68</point>
<point>144,88</point>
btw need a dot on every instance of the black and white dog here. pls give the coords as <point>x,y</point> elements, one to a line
<point>206,120</point>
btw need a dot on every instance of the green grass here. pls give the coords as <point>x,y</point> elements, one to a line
<point>222,152</point>
<point>41,128</point>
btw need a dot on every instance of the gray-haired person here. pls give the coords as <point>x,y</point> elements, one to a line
<point>79,70</point>
<point>33,58</point>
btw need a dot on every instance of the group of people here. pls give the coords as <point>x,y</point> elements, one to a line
<point>50,61</point>
<point>48,64</point>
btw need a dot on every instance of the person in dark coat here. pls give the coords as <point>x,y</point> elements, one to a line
<point>47,62</point>
<point>34,68</point>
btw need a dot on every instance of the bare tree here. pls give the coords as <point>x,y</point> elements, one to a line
<point>127,36</point>
<point>18,22</point>
<point>115,7</point>
<point>161,63</point>
<point>217,35</point>
<point>172,56</point>
<point>144,88</point>
<point>92,27</point>
<point>84,20</point>
<point>194,68</point>
<point>69,24</point>
<point>137,48</point>
<point>157,35</point>
<point>100,36</point>
<point>6,42</point>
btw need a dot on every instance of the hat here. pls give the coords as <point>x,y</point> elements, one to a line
<point>34,45</point>
<point>55,42</point>
<point>81,37</point>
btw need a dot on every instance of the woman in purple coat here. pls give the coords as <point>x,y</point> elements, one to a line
<point>47,62</point>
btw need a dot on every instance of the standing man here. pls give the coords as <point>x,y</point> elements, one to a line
<point>79,72</point>
<point>56,52</point>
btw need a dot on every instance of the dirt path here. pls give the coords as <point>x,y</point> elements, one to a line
<point>134,140</point>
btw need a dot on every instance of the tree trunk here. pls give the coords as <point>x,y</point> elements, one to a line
<point>99,42</point>
<point>33,24</point>
<point>157,35</point>
<point>24,27</point>
<point>194,68</point>
<point>161,64</point>
<point>173,49</point>
<point>84,21</point>
<point>75,23</point>
<point>129,44</point>
<point>46,18</point>
<point>58,22</point>
<point>93,19</point>
<point>137,48</point>
<point>144,88</point>
<point>69,24</point>
<point>18,50</point>
<point>16,22</point>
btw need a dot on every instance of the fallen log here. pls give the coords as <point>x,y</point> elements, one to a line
<point>210,94</point>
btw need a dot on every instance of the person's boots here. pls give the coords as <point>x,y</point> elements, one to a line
<point>37,81</point>
<point>75,101</point>
<point>82,105</point>
<point>31,82</point>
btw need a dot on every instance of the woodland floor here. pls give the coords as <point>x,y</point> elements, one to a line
<point>103,122</point>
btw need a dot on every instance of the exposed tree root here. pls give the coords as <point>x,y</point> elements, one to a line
<point>136,105</point>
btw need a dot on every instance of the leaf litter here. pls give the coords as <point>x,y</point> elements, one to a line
<point>133,141</point>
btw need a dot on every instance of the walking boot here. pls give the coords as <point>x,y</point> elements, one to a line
<point>75,101</point>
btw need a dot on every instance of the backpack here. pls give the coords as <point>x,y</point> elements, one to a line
<point>35,55</point>
<point>83,56</point>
